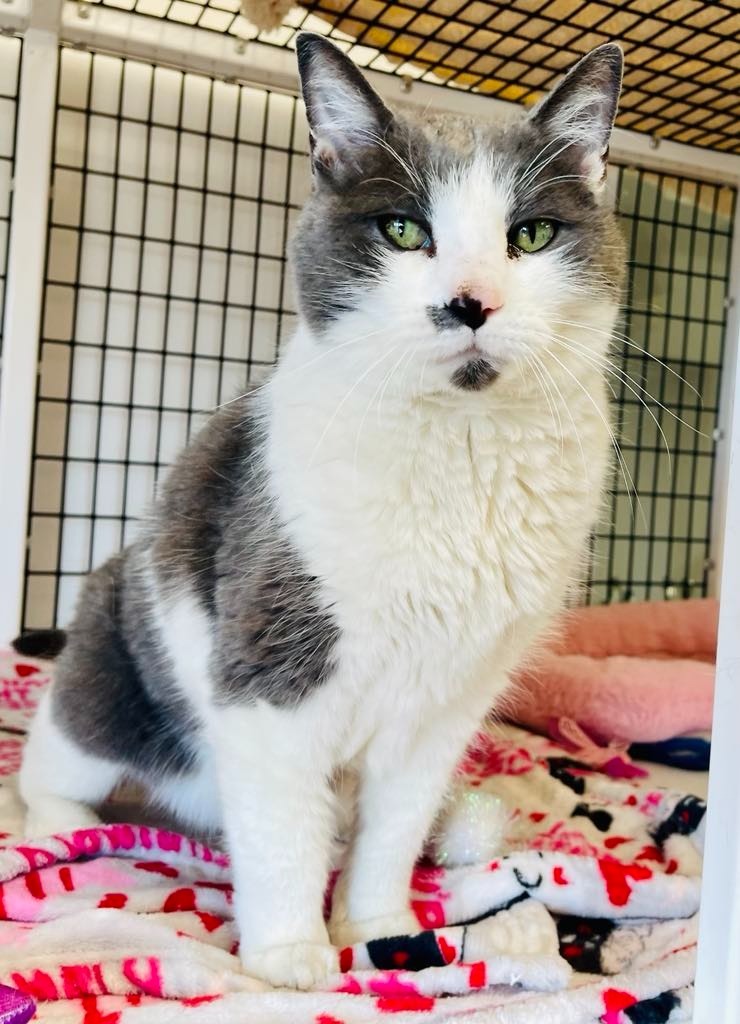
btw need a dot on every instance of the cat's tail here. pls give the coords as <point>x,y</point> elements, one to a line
<point>40,643</point>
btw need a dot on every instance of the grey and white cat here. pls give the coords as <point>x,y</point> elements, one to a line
<point>343,567</point>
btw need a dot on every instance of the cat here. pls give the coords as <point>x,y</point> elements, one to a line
<point>345,565</point>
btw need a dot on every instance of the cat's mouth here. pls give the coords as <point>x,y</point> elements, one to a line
<point>470,352</point>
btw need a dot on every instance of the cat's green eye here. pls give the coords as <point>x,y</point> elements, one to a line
<point>406,233</point>
<point>532,235</point>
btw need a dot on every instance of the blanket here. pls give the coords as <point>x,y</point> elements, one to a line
<point>638,672</point>
<point>587,911</point>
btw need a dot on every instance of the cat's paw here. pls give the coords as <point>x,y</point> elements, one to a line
<point>347,933</point>
<point>51,815</point>
<point>303,965</point>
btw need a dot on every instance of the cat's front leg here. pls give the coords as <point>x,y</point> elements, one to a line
<point>278,816</point>
<point>402,786</point>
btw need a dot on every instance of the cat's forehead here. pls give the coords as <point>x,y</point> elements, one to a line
<point>459,134</point>
<point>467,135</point>
<point>450,147</point>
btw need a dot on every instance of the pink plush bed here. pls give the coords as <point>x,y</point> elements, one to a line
<point>629,672</point>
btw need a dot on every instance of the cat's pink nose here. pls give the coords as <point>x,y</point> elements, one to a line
<point>490,299</point>
<point>473,309</point>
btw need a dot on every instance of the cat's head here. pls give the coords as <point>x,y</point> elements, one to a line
<point>452,254</point>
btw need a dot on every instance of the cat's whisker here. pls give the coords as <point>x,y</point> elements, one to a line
<point>424,366</point>
<point>566,406</point>
<point>304,366</point>
<point>392,152</point>
<point>622,376</point>
<point>342,402</point>
<point>366,413</point>
<point>533,175</point>
<point>391,181</point>
<point>330,273</point>
<point>379,408</point>
<point>358,268</point>
<point>631,343</point>
<point>535,159</point>
<point>626,475</point>
<point>554,181</point>
<point>626,377</point>
<point>532,364</point>
<point>535,166</point>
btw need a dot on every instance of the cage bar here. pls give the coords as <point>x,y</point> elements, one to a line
<point>10,69</point>
<point>718,977</point>
<point>22,311</point>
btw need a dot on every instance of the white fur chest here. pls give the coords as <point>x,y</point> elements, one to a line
<point>439,532</point>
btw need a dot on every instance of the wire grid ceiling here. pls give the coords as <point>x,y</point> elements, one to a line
<point>10,69</point>
<point>682,73</point>
<point>166,289</point>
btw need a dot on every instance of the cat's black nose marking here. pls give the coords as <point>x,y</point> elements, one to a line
<point>468,311</point>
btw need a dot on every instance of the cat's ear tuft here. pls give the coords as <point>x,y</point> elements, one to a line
<point>580,111</point>
<point>345,114</point>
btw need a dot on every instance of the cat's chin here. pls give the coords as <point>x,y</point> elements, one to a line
<point>475,375</point>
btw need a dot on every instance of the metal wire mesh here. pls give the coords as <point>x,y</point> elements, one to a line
<point>10,70</point>
<point>682,56</point>
<point>666,385</point>
<point>166,288</point>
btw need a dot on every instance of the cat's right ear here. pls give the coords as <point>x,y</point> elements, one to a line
<point>346,116</point>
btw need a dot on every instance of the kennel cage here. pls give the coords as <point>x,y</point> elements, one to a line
<point>170,143</point>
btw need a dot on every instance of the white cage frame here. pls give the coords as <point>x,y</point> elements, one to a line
<point>44,24</point>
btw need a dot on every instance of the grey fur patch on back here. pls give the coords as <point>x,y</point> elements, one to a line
<point>199,500</point>
<point>213,533</point>
<point>114,691</point>
<point>276,642</point>
<point>216,530</point>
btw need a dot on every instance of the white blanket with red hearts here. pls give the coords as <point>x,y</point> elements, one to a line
<point>586,913</point>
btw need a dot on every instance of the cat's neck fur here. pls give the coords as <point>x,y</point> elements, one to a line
<point>312,374</point>
<point>434,485</point>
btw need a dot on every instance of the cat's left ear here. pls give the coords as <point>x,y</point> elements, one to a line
<point>345,114</point>
<point>579,114</point>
